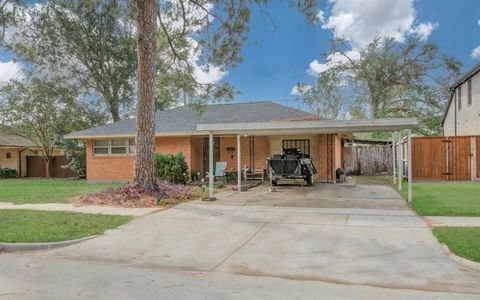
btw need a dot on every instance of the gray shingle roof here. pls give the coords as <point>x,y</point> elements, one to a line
<point>185,120</point>
<point>13,140</point>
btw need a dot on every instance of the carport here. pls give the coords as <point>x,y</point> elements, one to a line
<point>329,127</point>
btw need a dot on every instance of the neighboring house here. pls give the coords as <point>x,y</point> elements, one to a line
<point>264,128</point>
<point>462,115</point>
<point>21,154</point>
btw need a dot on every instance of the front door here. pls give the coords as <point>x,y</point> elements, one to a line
<point>216,153</point>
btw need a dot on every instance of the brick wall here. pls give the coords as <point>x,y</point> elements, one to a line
<point>261,151</point>
<point>323,163</point>
<point>122,167</point>
<point>108,167</point>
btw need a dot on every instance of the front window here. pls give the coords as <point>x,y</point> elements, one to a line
<point>114,147</point>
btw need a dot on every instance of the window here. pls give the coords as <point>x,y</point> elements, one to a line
<point>301,145</point>
<point>114,147</point>
<point>469,86</point>
<point>100,147</point>
<point>459,98</point>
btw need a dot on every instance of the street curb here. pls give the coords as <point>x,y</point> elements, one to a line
<point>20,247</point>
<point>460,260</point>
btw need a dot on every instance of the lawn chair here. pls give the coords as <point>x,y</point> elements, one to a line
<point>220,171</point>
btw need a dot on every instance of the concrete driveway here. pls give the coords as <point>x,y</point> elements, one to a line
<point>350,238</point>
<point>376,247</point>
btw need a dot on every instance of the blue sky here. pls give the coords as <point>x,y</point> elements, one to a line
<point>277,57</point>
<point>275,61</point>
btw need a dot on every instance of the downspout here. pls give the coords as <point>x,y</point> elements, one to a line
<point>20,162</point>
<point>455,112</point>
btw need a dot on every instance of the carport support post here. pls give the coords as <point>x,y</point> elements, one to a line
<point>239,165</point>
<point>409,162</point>
<point>394,149</point>
<point>210,165</point>
<point>400,165</point>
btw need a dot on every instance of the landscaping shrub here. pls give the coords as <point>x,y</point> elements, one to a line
<point>171,168</point>
<point>8,173</point>
<point>218,185</point>
<point>77,156</point>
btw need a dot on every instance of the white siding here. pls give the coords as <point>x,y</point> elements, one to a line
<point>468,117</point>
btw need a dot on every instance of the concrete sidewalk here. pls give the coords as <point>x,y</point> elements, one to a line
<point>440,221</point>
<point>90,209</point>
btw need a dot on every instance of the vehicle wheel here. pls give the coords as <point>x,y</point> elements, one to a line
<point>309,180</point>
<point>308,177</point>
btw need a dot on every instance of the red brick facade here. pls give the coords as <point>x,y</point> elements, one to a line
<point>122,167</point>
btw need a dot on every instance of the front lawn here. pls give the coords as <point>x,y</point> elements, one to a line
<point>445,198</point>
<point>462,241</point>
<point>29,226</point>
<point>436,198</point>
<point>47,190</point>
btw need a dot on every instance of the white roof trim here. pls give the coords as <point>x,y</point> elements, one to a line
<point>313,127</point>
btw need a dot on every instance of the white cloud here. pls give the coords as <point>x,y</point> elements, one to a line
<point>476,52</point>
<point>208,74</point>
<point>315,67</point>
<point>297,89</point>
<point>359,21</point>
<point>203,73</point>
<point>321,16</point>
<point>10,70</point>
<point>423,30</point>
<point>478,22</point>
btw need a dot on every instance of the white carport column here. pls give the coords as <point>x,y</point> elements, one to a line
<point>210,165</point>
<point>409,162</point>
<point>394,158</point>
<point>400,165</point>
<point>239,164</point>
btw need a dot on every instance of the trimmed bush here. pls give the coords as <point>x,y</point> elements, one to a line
<point>171,168</point>
<point>8,173</point>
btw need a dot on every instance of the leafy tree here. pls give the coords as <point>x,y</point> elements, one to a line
<point>89,43</point>
<point>220,28</point>
<point>325,98</point>
<point>76,153</point>
<point>43,110</point>
<point>388,78</point>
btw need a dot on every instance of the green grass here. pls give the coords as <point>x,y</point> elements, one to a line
<point>29,226</point>
<point>436,198</point>
<point>47,190</point>
<point>464,242</point>
<point>445,198</point>
<point>374,180</point>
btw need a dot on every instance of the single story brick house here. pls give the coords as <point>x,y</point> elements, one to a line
<point>255,129</point>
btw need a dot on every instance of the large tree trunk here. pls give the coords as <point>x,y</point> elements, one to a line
<point>47,167</point>
<point>146,49</point>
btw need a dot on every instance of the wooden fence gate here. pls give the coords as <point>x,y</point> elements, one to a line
<point>445,158</point>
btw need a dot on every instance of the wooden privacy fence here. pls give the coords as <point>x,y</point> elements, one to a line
<point>446,158</point>
<point>368,160</point>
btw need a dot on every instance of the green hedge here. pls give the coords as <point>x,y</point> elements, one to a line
<point>8,173</point>
<point>171,167</point>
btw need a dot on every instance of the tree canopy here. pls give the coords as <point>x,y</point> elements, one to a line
<point>387,78</point>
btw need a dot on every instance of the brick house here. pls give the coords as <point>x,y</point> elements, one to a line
<point>256,130</point>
